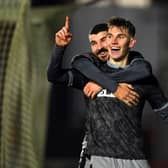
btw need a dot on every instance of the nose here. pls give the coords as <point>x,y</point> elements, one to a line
<point>114,40</point>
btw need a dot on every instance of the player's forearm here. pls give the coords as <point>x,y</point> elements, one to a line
<point>89,70</point>
<point>155,95</point>
<point>163,112</point>
<point>54,68</point>
<point>67,77</point>
<point>136,71</point>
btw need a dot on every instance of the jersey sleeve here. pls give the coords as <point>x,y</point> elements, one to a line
<point>156,98</point>
<point>163,112</point>
<point>57,75</point>
<point>85,66</point>
<point>137,70</point>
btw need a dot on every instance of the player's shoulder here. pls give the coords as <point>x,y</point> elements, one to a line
<point>135,55</point>
<point>87,55</point>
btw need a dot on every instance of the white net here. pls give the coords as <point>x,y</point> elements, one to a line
<point>17,87</point>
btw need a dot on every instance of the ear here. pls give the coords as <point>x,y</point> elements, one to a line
<point>132,43</point>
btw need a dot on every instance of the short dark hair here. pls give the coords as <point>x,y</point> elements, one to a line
<point>122,22</point>
<point>99,28</point>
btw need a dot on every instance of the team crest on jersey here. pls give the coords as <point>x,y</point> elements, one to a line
<point>104,93</point>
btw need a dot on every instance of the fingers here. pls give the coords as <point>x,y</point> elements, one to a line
<point>63,36</point>
<point>63,33</point>
<point>130,86</point>
<point>89,92</point>
<point>67,23</point>
<point>128,103</point>
<point>132,95</point>
<point>131,101</point>
<point>132,98</point>
<point>127,94</point>
<point>127,85</point>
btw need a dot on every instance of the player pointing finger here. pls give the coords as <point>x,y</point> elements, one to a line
<point>63,36</point>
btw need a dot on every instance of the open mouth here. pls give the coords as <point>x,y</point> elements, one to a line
<point>102,51</point>
<point>115,49</point>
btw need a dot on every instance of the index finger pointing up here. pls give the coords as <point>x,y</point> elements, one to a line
<point>67,22</point>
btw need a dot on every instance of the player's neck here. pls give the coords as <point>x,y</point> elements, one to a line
<point>120,63</point>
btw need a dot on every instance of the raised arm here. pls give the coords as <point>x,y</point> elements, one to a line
<point>55,73</point>
<point>85,66</point>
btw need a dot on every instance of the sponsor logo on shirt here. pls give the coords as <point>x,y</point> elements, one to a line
<point>104,93</point>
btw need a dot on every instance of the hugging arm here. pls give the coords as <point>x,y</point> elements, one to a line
<point>73,78</point>
<point>137,70</point>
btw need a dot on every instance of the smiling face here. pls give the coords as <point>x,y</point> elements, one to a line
<point>119,42</point>
<point>98,45</point>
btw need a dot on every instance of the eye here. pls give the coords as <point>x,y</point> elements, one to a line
<point>121,36</point>
<point>103,39</point>
<point>92,43</point>
<point>109,36</point>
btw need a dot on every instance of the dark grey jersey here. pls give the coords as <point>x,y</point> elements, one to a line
<point>114,129</point>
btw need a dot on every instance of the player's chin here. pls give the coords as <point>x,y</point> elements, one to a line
<point>115,55</point>
<point>103,57</point>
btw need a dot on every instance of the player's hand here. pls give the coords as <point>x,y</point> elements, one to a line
<point>91,89</point>
<point>63,36</point>
<point>126,93</point>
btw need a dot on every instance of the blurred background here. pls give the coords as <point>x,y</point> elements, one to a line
<point>41,125</point>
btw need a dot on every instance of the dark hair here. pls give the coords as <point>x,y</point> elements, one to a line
<point>122,22</point>
<point>99,28</point>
